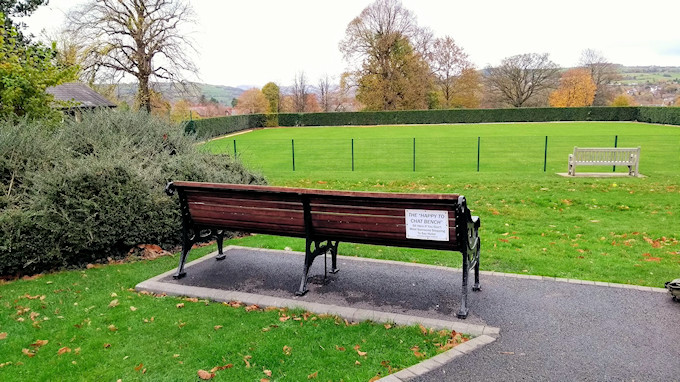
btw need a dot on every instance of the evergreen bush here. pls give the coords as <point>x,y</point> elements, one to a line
<point>93,189</point>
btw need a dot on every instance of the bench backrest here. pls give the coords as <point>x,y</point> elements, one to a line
<point>606,155</point>
<point>359,217</point>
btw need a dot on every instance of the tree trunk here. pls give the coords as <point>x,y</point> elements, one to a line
<point>144,93</point>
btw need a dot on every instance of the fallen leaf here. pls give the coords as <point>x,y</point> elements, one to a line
<point>313,375</point>
<point>217,327</point>
<point>112,328</point>
<point>388,326</point>
<point>113,303</point>
<point>264,380</point>
<point>191,299</point>
<point>204,375</point>
<point>246,358</point>
<point>251,308</point>
<point>339,348</point>
<point>106,346</point>
<point>132,308</point>
<point>284,318</point>
<point>63,350</point>
<point>268,373</point>
<point>287,350</point>
<point>3,335</point>
<point>357,363</point>
<point>40,343</point>
<point>218,368</point>
<point>139,367</point>
<point>422,329</point>
<point>361,353</point>
<point>77,351</point>
<point>29,353</point>
<point>377,377</point>
<point>180,305</point>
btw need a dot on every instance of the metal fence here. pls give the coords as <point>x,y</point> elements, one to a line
<point>447,154</point>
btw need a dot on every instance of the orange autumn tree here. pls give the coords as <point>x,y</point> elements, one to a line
<point>576,89</point>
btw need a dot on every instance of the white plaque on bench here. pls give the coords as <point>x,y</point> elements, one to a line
<point>427,225</point>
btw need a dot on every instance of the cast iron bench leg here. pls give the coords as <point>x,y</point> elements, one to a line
<point>220,251</point>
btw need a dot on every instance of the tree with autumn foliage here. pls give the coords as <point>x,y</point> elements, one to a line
<point>604,74</point>
<point>252,101</point>
<point>390,50</point>
<point>623,100</point>
<point>576,89</point>
<point>456,79</point>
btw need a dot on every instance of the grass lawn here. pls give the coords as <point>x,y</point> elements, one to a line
<point>622,230</point>
<point>91,325</point>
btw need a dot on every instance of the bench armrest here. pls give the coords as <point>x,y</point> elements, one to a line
<point>170,189</point>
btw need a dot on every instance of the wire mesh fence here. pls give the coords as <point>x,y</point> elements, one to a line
<point>524,154</point>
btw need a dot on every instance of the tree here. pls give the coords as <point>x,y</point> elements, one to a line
<point>456,79</point>
<point>299,92</point>
<point>26,70</point>
<point>312,104</point>
<point>603,72</point>
<point>327,94</point>
<point>272,93</point>
<point>623,100</point>
<point>390,48</point>
<point>140,38</point>
<point>520,78</point>
<point>252,101</point>
<point>404,89</point>
<point>19,8</point>
<point>576,89</point>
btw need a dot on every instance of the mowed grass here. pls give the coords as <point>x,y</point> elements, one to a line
<point>448,149</point>
<point>621,230</point>
<point>91,325</point>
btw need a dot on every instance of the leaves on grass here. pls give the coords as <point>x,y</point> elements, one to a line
<point>251,308</point>
<point>218,368</point>
<point>361,353</point>
<point>191,299</point>
<point>388,326</point>
<point>63,350</point>
<point>205,375</point>
<point>313,375</point>
<point>113,303</point>
<point>246,360</point>
<point>39,343</point>
<point>423,330</point>
<point>217,327</point>
<point>180,305</point>
<point>268,373</point>
<point>339,348</point>
<point>234,304</point>
<point>377,377</point>
<point>112,328</point>
<point>132,308</point>
<point>357,363</point>
<point>106,346</point>
<point>287,350</point>
<point>139,367</point>
<point>3,335</point>
<point>649,257</point>
<point>416,352</point>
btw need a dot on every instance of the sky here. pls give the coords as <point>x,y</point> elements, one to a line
<point>253,42</point>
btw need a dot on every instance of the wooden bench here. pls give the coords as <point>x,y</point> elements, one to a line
<point>325,217</point>
<point>605,156</point>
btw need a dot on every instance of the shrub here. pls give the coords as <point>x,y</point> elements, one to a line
<point>94,189</point>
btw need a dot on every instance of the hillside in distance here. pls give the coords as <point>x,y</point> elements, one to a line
<point>174,93</point>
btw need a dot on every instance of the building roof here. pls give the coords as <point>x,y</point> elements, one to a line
<point>81,94</point>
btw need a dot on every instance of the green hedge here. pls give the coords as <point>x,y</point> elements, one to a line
<point>207,128</point>
<point>214,127</point>
<point>663,115</point>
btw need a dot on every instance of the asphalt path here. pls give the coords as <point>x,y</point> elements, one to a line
<point>550,330</point>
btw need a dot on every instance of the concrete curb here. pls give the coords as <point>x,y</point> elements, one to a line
<point>483,334</point>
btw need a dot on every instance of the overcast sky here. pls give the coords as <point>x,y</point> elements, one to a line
<point>253,42</point>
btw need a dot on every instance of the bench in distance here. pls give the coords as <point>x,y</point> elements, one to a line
<point>605,156</point>
<point>326,217</point>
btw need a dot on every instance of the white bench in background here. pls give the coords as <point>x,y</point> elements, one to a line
<point>605,156</point>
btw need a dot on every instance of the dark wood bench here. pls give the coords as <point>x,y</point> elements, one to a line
<point>325,218</point>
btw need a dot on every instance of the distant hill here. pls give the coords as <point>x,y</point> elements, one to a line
<point>223,94</point>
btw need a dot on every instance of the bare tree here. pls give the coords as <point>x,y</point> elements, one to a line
<point>451,67</point>
<point>520,78</point>
<point>603,72</point>
<point>140,38</point>
<point>327,94</point>
<point>300,92</point>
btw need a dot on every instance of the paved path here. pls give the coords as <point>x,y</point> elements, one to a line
<point>550,330</point>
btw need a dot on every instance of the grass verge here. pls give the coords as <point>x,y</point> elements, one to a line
<point>91,325</point>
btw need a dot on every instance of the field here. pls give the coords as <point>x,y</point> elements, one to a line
<point>620,230</point>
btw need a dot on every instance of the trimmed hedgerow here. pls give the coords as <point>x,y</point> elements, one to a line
<point>213,127</point>
<point>663,115</point>
<point>93,189</point>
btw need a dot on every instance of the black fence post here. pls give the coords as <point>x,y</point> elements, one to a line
<point>234,148</point>
<point>292,144</point>
<point>545,154</point>
<point>478,144</point>
<point>616,144</point>
<point>352,154</point>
